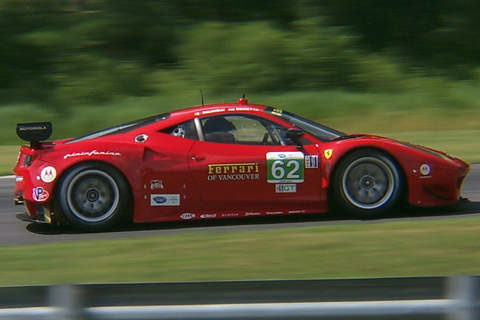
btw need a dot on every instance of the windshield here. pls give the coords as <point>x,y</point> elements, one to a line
<point>317,130</point>
<point>123,127</point>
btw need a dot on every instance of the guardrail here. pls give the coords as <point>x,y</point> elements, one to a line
<point>453,298</point>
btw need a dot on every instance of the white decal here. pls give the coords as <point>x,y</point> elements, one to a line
<point>187,216</point>
<point>311,162</point>
<point>40,194</point>
<point>208,216</point>
<point>156,184</point>
<point>285,167</point>
<point>425,169</point>
<point>296,211</point>
<point>286,188</point>
<point>163,200</point>
<point>48,174</point>
<point>230,215</point>
<point>247,214</point>
<point>91,153</point>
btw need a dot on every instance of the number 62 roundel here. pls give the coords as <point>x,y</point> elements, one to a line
<point>285,167</point>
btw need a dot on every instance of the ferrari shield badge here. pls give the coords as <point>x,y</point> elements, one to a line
<point>328,153</point>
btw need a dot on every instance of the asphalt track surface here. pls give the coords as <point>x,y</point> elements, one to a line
<point>14,231</point>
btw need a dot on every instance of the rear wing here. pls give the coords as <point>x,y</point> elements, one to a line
<point>34,132</point>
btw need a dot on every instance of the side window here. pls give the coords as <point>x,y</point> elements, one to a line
<point>185,130</point>
<point>218,129</point>
<point>242,129</point>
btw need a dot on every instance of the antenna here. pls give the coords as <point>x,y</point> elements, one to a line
<point>201,93</point>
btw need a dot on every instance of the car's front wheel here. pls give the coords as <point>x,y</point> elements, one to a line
<point>93,197</point>
<point>368,184</point>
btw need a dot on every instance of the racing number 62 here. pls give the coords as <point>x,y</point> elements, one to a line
<point>285,167</point>
<point>279,172</point>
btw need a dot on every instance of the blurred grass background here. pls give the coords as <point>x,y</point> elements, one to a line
<point>370,66</point>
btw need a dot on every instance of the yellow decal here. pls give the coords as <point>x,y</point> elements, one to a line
<point>328,153</point>
<point>233,171</point>
<point>233,168</point>
<point>277,112</point>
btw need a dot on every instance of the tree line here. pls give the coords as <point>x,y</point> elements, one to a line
<point>82,51</point>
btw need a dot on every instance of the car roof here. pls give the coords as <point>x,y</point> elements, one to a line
<point>217,108</point>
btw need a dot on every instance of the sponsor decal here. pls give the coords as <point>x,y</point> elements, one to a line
<point>285,167</point>
<point>40,194</point>
<point>249,214</point>
<point>296,211</point>
<point>91,153</point>
<point>158,200</point>
<point>233,171</point>
<point>277,112</point>
<point>328,153</point>
<point>285,188</point>
<point>230,215</point>
<point>311,162</point>
<point>48,174</point>
<point>218,110</point>
<point>18,179</point>
<point>425,169</point>
<point>208,216</point>
<point>33,128</point>
<point>187,216</point>
<point>156,184</point>
<point>274,212</point>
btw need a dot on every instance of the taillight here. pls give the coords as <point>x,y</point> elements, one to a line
<point>25,157</point>
<point>27,160</point>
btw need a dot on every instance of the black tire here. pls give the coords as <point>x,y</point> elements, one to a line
<point>93,197</point>
<point>368,184</point>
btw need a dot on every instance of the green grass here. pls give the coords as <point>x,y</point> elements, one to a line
<point>8,159</point>
<point>396,249</point>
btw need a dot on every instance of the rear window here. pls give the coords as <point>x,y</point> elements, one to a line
<point>123,127</point>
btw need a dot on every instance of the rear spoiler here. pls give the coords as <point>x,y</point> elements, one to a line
<point>34,132</point>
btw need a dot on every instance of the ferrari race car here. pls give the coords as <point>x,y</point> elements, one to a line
<point>224,160</point>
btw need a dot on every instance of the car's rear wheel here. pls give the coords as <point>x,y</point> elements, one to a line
<point>93,197</point>
<point>368,184</point>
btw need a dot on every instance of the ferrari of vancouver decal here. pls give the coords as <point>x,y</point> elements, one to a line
<point>233,171</point>
<point>284,167</point>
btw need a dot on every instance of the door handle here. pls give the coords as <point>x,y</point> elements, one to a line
<point>198,157</point>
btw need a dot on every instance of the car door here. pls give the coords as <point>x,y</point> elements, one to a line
<point>167,188</point>
<point>246,167</point>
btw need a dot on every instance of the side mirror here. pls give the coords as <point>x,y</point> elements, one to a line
<point>295,135</point>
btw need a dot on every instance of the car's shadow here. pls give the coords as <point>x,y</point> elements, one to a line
<point>463,208</point>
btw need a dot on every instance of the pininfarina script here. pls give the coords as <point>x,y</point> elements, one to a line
<point>91,153</point>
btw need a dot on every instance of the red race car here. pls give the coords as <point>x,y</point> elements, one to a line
<point>224,160</point>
